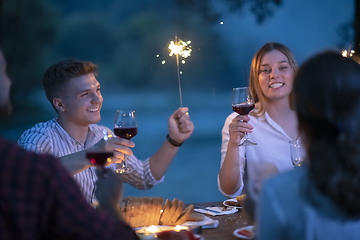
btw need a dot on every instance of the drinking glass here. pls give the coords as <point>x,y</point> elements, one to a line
<point>296,153</point>
<point>99,158</point>
<point>125,126</point>
<point>242,103</point>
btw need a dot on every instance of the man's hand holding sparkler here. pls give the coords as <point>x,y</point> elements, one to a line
<point>180,126</point>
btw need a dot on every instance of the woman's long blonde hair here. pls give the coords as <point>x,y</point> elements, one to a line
<point>255,72</point>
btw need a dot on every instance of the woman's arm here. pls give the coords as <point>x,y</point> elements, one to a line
<point>230,179</point>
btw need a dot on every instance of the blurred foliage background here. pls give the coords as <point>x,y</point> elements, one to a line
<point>123,38</point>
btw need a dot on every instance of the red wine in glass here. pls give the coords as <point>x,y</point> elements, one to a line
<point>127,133</point>
<point>98,158</point>
<point>242,103</point>
<point>125,126</point>
<point>243,109</point>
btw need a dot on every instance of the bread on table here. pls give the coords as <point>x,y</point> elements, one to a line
<point>196,217</point>
<point>165,214</point>
<point>146,211</point>
<point>185,215</point>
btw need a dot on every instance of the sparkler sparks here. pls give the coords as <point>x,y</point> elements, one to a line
<point>180,48</point>
<point>346,53</point>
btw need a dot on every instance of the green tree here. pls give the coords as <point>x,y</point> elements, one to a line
<point>262,9</point>
<point>27,32</point>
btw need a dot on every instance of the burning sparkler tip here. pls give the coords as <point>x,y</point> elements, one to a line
<point>180,48</point>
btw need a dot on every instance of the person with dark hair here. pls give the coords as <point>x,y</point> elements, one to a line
<point>74,92</point>
<point>40,200</point>
<point>320,200</point>
<point>271,125</point>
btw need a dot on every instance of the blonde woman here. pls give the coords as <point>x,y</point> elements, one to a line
<point>271,125</point>
<point>319,200</point>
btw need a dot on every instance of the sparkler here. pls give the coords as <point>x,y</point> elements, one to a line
<point>182,49</point>
<point>346,53</point>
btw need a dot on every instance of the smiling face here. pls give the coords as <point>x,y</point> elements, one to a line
<point>276,76</point>
<point>81,101</point>
<point>5,83</point>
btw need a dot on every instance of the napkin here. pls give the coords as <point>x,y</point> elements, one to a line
<point>206,223</point>
<point>216,211</point>
<point>213,224</point>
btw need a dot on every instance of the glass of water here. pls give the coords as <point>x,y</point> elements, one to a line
<point>297,153</point>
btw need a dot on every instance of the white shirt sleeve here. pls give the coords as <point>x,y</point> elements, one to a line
<point>224,145</point>
<point>141,177</point>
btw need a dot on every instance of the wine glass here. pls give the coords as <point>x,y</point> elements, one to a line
<point>242,103</point>
<point>125,126</point>
<point>296,153</point>
<point>99,157</point>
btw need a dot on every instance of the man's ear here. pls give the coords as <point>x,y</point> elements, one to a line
<point>58,104</point>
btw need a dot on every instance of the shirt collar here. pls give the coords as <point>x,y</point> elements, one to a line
<point>89,138</point>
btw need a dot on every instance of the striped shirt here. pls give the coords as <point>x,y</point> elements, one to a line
<point>50,138</point>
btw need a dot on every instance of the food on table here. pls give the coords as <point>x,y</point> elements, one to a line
<point>146,211</point>
<point>236,202</point>
<point>246,233</point>
<point>196,217</point>
<point>241,198</point>
<point>233,203</point>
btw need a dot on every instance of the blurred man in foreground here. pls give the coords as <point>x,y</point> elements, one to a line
<point>40,200</point>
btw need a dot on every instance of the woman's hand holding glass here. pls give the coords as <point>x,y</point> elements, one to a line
<point>238,129</point>
<point>243,104</point>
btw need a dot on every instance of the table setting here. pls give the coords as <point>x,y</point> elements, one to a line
<point>154,218</point>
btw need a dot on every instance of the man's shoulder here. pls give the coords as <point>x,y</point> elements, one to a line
<point>40,132</point>
<point>41,128</point>
<point>13,150</point>
<point>98,128</point>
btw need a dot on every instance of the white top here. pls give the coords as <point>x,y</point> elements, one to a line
<point>291,207</point>
<point>50,138</point>
<point>272,147</point>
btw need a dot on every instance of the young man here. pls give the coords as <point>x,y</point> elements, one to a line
<point>40,200</point>
<point>74,92</point>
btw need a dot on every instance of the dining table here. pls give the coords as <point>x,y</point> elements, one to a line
<point>227,223</point>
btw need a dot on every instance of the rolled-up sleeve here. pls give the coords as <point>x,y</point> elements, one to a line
<point>141,177</point>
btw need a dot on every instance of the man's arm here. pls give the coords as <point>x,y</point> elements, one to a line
<point>69,209</point>
<point>109,192</point>
<point>38,142</point>
<point>180,128</point>
<point>75,162</point>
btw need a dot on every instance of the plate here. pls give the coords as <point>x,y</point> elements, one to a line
<point>198,237</point>
<point>204,222</point>
<point>142,235</point>
<point>239,235</point>
<point>231,200</point>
